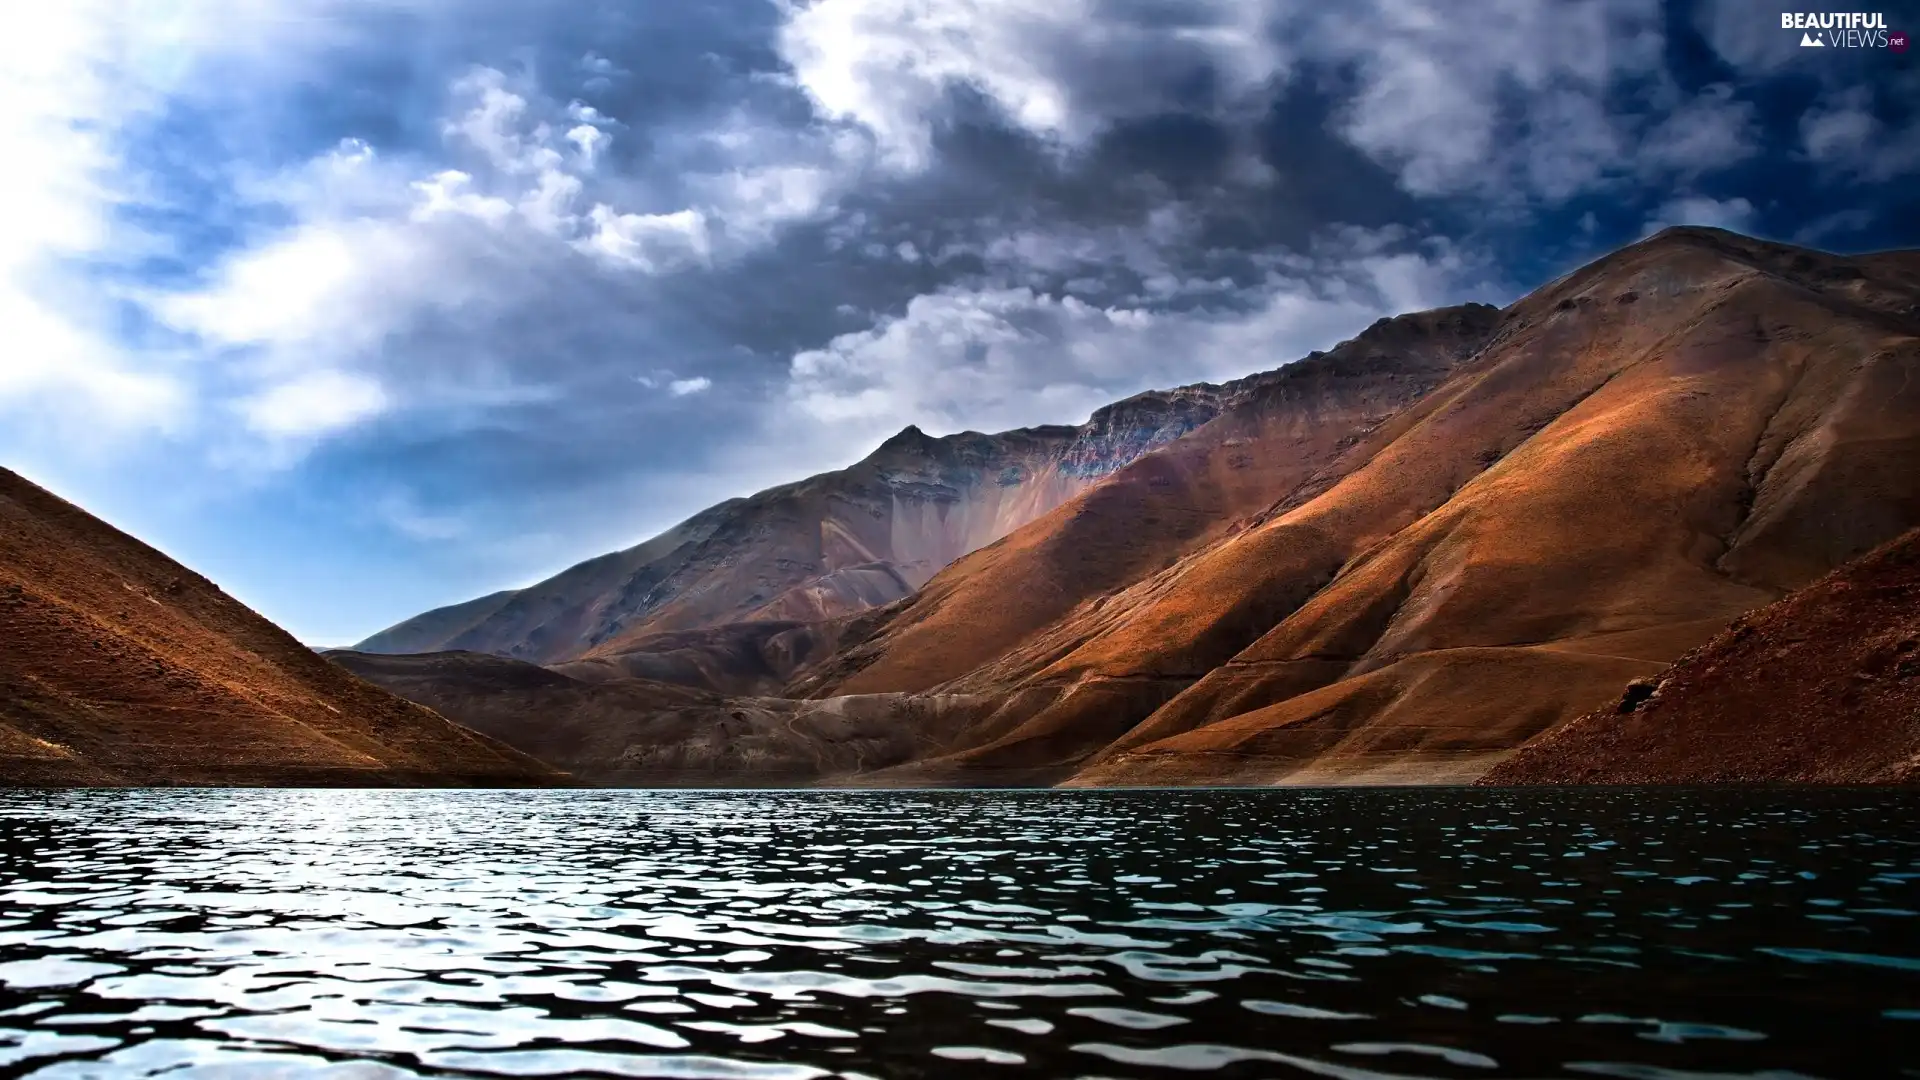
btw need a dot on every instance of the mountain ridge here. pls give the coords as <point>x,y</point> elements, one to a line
<point>594,607</point>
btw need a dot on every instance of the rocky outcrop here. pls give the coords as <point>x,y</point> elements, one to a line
<point>1822,687</point>
<point>120,666</point>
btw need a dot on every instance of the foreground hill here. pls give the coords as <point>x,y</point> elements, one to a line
<point>118,665</point>
<point>1822,687</point>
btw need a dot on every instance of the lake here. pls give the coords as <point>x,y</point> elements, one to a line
<point>790,935</point>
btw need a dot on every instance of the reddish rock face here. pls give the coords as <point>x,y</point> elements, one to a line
<point>1822,687</point>
<point>1644,450</point>
<point>119,665</point>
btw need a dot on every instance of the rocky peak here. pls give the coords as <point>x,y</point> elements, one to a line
<point>908,439</point>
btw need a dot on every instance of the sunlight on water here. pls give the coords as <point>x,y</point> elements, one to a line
<point>791,935</point>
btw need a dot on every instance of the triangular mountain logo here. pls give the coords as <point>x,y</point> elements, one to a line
<point>1808,41</point>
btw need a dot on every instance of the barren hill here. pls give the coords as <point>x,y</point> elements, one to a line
<point>118,665</point>
<point>1822,687</point>
<point>1645,449</point>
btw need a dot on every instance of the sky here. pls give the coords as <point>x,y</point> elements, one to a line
<point>361,307</point>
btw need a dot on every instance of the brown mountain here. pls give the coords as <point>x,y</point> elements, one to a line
<point>118,665</point>
<point>1287,433</point>
<point>1822,687</point>
<point>826,546</point>
<point>1396,561</point>
<point>1644,450</point>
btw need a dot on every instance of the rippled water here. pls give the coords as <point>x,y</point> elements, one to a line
<point>794,935</point>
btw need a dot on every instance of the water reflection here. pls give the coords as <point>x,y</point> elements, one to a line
<point>787,936</point>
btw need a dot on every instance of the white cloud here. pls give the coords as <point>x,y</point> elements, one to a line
<point>888,64</point>
<point>1823,228</point>
<point>772,196</point>
<point>766,178</point>
<point>1709,132</point>
<point>1748,36</point>
<point>650,242</point>
<point>549,206</point>
<point>380,248</point>
<point>57,366</point>
<point>684,387</point>
<point>591,141</point>
<point>1735,214</point>
<point>1842,133</point>
<point>313,404</point>
<point>283,292</point>
<point>446,193</point>
<point>493,121</point>
<point>601,72</point>
<point>401,512</point>
<point>331,294</point>
<point>1435,89</point>
<point>1000,358</point>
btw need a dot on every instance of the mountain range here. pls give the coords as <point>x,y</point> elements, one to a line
<point>1395,561</point>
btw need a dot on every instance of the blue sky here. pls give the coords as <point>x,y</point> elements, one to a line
<point>360,307</point>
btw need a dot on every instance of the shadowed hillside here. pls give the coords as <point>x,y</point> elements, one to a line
<point>639,732</point>
<point>120,666</point>
<point>755,658</point>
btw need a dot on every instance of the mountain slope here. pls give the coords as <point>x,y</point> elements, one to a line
<point>755,658</point>
<point>561,616</point>
<point>1646,449</point>
<point>1822,687</point>
<point>440,624</point>
<point>1282,432</point>
<point>118,665</point>
<point>640,732</point>
<point>826,546</point>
